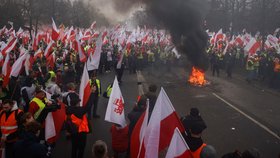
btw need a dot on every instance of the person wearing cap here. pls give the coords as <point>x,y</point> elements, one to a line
<point>194,126</point>
<point>77,125</point>
<point>9,123</point>
<point>192,118</point>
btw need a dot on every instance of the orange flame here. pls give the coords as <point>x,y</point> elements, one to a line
<point>197,77</point>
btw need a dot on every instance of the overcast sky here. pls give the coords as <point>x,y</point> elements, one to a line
<point>107,8</point>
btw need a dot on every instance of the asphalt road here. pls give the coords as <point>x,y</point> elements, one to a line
<point>238,115</point>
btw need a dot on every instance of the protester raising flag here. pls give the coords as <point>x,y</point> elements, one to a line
<point>84,92</point>
<point>94,58</point>
<point>115,108</point>
<point>55,31</point>
<point>178,147</point>
<point>160,129</point>
<point>137,136</point>
<point>54,122</point>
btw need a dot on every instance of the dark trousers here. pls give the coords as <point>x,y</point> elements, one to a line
<point>95,104</point>
<point>119,74</point>
<point>78,144</point>
<point>9,152</point>
<point>216,69</point>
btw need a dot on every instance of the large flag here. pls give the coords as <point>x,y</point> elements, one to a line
<point>17,66</point>
<point>252,47</point>
<point>160,129</point>
<point>94,58</point>
<point>219,36</point>
<point>178,147</point>
<point>54,122</point>
<point>82,56</point>
<point>6,70</point>
<point>85,90</point>
<point>55,31</point>
<point>49,49</point>
<point>137,136</point>
<point>10,46</point>
<point>115,108</point>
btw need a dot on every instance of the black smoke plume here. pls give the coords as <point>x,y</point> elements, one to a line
<point>184,20</point>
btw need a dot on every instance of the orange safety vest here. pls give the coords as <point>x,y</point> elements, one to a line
<point>9,125</point>
<point>82,124</point>
<point>196,154</point>
<point>277,67</point>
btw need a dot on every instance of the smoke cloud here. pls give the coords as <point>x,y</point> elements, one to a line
<point>183,19</point>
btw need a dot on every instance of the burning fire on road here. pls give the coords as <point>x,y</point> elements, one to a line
<point>197,77</point>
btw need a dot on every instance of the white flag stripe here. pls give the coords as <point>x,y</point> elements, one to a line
<point>178,146</point>
<point>115,105</point>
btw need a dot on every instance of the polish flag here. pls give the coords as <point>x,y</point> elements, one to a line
<point>54,122</point>
<point>137,136</point>
<point>252,47</point>
<point>6,70</point>
<point>178,147</point>
<point>49,49</point>
<point>38,54</point>
<point>219,36</point>
<point>19,32</point>
<point>239,40</point>
<point>17,66</point>
<point>82,56</point>
<point>115,107</point>
<point>55,31</point>
<point>161,127</point>
<point>51,61</point>
<point>92,26</point>
<point>10,46</point>
<point>85,89</point>
<point>94,58</point>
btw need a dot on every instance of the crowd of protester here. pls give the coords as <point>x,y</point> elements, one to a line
<point>26,104</point>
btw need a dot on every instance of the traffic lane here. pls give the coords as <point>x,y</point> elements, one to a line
<point>227,129</point>
<point>100,127</point>
<point>263,105</point>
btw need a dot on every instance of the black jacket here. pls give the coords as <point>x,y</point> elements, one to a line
<point>30,147</point>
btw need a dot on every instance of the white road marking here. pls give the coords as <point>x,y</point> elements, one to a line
<point>249,117</point>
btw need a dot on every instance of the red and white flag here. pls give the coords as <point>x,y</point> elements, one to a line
<point>10,46</point>
<point>94,59</point>
<point>49,49</point>
<point>219,36</point>
<point>115,108</point>
<point>137,136</point>
<point>17,66</point>
<point>85,90</point>
<point>178,147</point>
<point>162,124</point>
<point>239,41</point>
<point>92,26</point>
<point>6,70</point>
<point>55,31</point>
<point>252,47</point>
<point>51,61</point>
<point>82,56</point>
<point>54,122</point>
